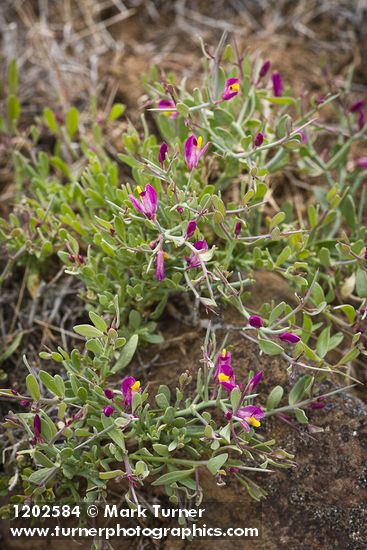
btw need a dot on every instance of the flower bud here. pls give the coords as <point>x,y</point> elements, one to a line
<point>256,321</point>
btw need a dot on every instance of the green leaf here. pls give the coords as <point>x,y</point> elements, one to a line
<point>281,100</point>
<point>182,109</point>
<point>348,310</point>
<point>33,387</point>
<point>97,321</point>
<point>127,353</point>
<point>48,381</point>
<point>50,119</point>
<point>172,477</point>
<point>269,347</point>
<point>277,220</point>
<point>42,459</point>
<point>111,474</point>
<point>361,283</point>
<point>41,475</point>
<point>161,450</point>
<point>301,416</point>
<point>161,401</point>
<point>13,108</point>
<point>72,121</point>
<point>88,331</point>
<point>349,356</point>
<point>12,347</point>
<point>117,110</point>
<point>13,77</point>
<point>322,346</point>
<point>275,397</point>
<point>215,463</point>
<point>283,256</point>
<point>348,209</point>
<point>300,388</point>
<point>235,398</point>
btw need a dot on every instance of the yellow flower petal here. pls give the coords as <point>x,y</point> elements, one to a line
<point>135,386</point>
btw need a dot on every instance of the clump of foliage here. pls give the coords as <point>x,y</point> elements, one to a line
<point>186,216</point>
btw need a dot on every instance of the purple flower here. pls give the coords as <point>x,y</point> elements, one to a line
<point>223,373</point>
<point>37,427</point>
<point>303,136</point>
<point>362,162</point>
<point>361,119</point>
<point>148,203</point>
<point>319,403</point>
<point>264,68</point>
<point>159,265</point>
<point>356,106</point>
<point>237,229</point>
<point>253,382</point>
<point>193,260</point>
<point>168,104</point>
<point>108,410</point>
<point>109,394</point>
<point>162,154</point>
<point>255,321</point>
<point>190,229</point>
<point>250,415</point>
<point>231,88</point>
<point>289,337</point>
<point>277,84</point>
<point>194,151</point>
<point>226,377</point>
<point>128,386</point>
<point>224,358</point>
<point>24,403</point>
<point>259,138</point>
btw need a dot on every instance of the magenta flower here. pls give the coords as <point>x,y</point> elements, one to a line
<point>231,88</point>
<point>253,382</point>
<point>289,337</point>
<point>237,229</point>
<point>303,137</point>
<point>24,403</point>
<point>259,138</point>
<point>193,260</point>
<point>224,358</point>
<point>356,106</point>
<point>162,154</point>
<point>159,266</point>
<point>226,377</point>
<point>37,427</point>
<point>109,394</point>
<point>223,373</point>
<point>361,119</point>
<point>250,416</point>
<point>108,410</point>
<point>129,386</point>
<point>362,162</point>
<point>190,229</point>
<point>319,403</point>
<point>277,84</point>
<point>255,321</point>
<point>148,203</point>
<point>194,151</point>
<point>168,104</point>
<point>264,68</point>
